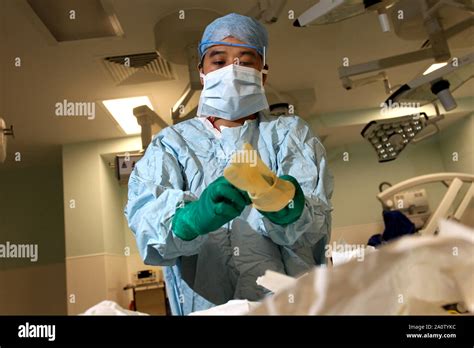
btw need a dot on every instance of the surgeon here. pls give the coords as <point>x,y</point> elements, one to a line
<point>215,235</point>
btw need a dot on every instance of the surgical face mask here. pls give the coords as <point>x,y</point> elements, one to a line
<point>232,92</point>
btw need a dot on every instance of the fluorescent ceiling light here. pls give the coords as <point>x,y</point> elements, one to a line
<point>122,111</point>
<point>434,67</point>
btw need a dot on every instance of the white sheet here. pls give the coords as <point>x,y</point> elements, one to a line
<point>109,308</point>
<point>233,307</point>
<point>413,275</point>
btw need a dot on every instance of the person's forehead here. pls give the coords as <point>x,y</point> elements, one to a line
<point>238,51</point>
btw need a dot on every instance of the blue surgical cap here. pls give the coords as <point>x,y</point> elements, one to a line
<point>243,28</point>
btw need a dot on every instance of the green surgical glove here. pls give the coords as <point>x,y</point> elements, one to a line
<point>219,203</point>
<point>292,211</point>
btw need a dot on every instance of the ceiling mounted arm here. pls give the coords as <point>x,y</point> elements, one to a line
<point>436,85</point>
<point>438,49</point>
<point>433,121</point>
<point>146,118</point>
<point>333,11</point>
<point>178,110</point>
<point>267,11</point>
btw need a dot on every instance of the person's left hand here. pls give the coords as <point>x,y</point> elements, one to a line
<point>293,210</point>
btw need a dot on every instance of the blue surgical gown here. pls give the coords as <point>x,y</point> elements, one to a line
<point>180,162</point>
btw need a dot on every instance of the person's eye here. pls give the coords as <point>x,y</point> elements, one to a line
<point>218,62</point>
<point>246,63</point>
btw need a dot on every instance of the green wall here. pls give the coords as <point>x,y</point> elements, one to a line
<point>95,225</point>
<point>82,199</point>
<point>458,139</point>
<point>112,210</point>
<point>356,181</point>
<point>31,211</point>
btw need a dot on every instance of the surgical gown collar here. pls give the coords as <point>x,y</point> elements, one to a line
<point>235,131</point>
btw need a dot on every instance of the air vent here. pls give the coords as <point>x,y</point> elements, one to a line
<point>136,60</point>
<point>138,68</point>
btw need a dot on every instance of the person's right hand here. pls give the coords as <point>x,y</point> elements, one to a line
<point>219,203</point>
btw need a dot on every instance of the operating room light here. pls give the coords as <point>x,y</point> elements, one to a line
<point>434,67</point>
<point>389,137</point>
<point>122,111</point>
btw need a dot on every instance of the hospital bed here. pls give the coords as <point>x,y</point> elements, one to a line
<point>454,183</point>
